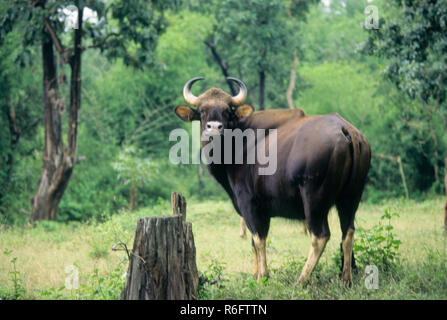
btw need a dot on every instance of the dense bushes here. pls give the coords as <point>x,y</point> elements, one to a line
<point>123,107</point>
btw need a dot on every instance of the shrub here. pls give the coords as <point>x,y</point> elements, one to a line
<point>378,245</point>
<point>18,290</point>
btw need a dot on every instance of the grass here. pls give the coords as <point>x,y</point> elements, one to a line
<point>42,253</point>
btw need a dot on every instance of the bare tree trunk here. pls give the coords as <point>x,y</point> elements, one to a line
<point>45,203</point>
<point>222,64</point>
<point>58,162</point>
<point>261,90</point>
<point>435,145</point>
<point>291,87</point>
<point>130,198</point>
<point>428,112</point>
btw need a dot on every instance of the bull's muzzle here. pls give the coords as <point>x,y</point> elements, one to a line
<point>214,128</point>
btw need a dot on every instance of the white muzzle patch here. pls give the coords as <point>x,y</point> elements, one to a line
<point>213,128</point>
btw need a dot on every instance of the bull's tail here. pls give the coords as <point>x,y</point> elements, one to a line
<point>360,156</point>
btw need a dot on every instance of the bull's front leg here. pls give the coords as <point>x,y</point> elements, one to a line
<point>316,249</point>
<point>259,247</point>
<point>243,229</point>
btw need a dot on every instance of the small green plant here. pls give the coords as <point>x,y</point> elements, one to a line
<point>97,286</point>
<point>213,276</point>
<point>53,293</point>
<point>379,245</point>
<point>48,226</point>
<point>99,250</point>
<point>134,172</point>
<point>18,291</point>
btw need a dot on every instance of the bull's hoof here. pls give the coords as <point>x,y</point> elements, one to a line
<point>348,283</point>
<point>347,279</point>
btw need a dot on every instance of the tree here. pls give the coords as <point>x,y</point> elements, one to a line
<point>126,29</point>
<point>256,36</point>
<point>19,117</point>
<point>415,47</point>
<point>134,171</point>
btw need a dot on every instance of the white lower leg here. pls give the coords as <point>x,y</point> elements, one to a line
<point>316,249</point>
<point>261,254</point>
<point>347,245</point>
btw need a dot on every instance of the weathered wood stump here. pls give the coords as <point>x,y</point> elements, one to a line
<point>162,264</point>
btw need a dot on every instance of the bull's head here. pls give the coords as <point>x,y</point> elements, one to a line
<point>216,109</point>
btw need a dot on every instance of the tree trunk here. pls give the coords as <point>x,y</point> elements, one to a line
<point>57,162</point>
<point>435,145</point>
<point>162,264</point>
<point>222,64</point>
<point>261,90</point>
<point>289,92</point>
<point>45,203</point>
<point>130,198</point>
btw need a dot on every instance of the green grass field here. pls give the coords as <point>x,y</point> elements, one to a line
<point>33,259</point>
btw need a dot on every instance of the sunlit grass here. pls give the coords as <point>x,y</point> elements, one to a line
<point>43,252</point>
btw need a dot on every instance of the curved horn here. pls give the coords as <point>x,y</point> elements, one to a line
<point>242,95</point>
<point>189,97</point>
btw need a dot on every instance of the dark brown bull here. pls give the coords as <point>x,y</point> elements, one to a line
<point>322,161</point>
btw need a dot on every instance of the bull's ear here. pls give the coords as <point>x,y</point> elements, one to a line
<point>186,113</point>
<point>244,111</point>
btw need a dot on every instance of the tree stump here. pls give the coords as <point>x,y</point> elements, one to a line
<point>162,264</point>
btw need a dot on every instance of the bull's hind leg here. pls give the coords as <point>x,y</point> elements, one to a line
<point>346,212</point>
<point>243,229</point>
<point>316,212</point>
<point>348,255</point>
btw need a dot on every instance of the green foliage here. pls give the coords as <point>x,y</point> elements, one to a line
<point>378,245</point>
<point>133,170</point>
<point>124,106</point>
<point>414,44</point>
<point>212,276</point>
<point>333,33</point>
<point>18,291</point>
<point>254,37</point>
<point>19,118</point>
<point>95,286</point>
<point>411,39</point>
<point>53,293</point>
<point>103,287</point>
